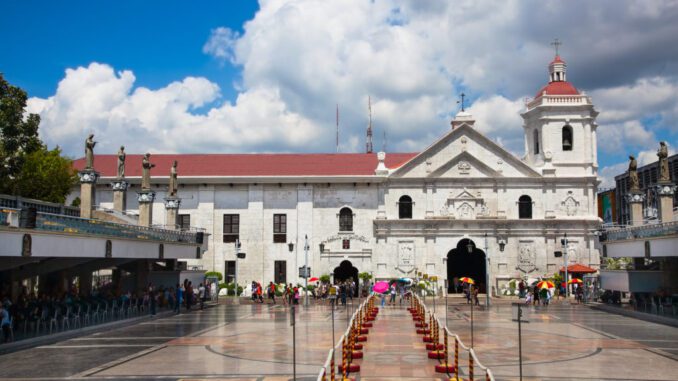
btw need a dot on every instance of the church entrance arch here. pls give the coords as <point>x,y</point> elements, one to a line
<point>346,271</point>
<point>466,260</point>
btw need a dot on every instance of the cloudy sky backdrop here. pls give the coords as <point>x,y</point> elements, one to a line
<point>266,76</point>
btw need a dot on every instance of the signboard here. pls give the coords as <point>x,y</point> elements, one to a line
<point>304,272</point>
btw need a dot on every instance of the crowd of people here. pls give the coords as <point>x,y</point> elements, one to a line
<point>32,313</point>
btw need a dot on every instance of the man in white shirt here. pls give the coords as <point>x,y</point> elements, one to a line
<point>201,295</point>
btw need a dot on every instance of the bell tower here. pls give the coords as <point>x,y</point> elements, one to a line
<point>560,127</point>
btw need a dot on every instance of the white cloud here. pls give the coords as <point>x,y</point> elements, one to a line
<point>96,99</point>
<point>221,43</point>
<point>607,174</point>
<point>299,58</point>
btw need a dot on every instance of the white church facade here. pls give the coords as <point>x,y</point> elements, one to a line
<point>464,206</point>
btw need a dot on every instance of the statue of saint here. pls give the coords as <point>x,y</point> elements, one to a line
<point>89,152</point>
<point>121,162</point>
<point>146,172</point>
<point>633,174</point>
<point>663,155</point>
<point>173,179</point>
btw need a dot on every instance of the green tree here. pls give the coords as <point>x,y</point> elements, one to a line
<point>46,175</point>
<point>18,134</point>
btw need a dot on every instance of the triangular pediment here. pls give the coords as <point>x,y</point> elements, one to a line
<point>464,152</point>
<point>464,165</point>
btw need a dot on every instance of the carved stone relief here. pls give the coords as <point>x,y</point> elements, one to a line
<point>527,257</point>
<point>570,205</point>
<point>464,167</point>
<point>406,260</point>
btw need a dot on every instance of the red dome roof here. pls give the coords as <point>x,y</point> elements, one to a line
<point>558,88</point>
<point>557,60</point>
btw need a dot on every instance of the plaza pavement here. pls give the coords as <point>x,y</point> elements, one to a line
<point>253,342</point>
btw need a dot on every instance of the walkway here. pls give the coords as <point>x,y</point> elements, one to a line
<point>394,350</point>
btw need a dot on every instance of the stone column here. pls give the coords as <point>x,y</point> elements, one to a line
<point>665,191</point>
<point>119,195</point>
<point>172,204</point>
<point>88,181</point>
<point>635,200</point>
<point>146,198</point>
<point>429,200</point>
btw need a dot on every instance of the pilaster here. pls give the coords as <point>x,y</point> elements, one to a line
<point>635,200</point>
<point>88,181</point>
<point>665,191</point>
<point>171,211</point>
<point>146,198</point>
<point>119,195</point>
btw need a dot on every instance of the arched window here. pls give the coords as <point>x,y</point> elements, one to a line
<point>567,138</point>
<point>405,207</point>
<point>525,207</point>
<point>535,137</point>
<point>345,220</point>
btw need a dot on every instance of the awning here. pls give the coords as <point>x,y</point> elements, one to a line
<point>578,268</point>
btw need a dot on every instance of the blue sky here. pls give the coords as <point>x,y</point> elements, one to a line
<point>247,76</point>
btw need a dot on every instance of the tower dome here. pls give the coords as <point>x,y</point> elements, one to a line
<point>558,84</point>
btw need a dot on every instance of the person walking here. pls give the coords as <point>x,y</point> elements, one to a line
<point>393,294</point>
<point>189,295</point>
<point>151,298</point>
<point>475,296</point>
<point>180,298</point>
<point>342,292</point>
<point>201,295</point>
<point>271,292</point>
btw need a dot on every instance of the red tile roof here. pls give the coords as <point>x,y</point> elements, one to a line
<point>558,88</point>
<point>578,268</point>
<point>249,165</point>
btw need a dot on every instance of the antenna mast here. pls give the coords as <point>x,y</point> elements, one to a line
<point>337,128</point>
<point>368,144</point>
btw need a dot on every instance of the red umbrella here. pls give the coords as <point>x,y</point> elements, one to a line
<point>314,279</point>
<point>467,280</point>
<point>545,284</point>
<point>575,280</point>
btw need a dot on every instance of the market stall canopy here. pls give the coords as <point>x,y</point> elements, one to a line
<point>578,269</point>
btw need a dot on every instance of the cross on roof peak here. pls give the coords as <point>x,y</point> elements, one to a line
<point>556,44</point>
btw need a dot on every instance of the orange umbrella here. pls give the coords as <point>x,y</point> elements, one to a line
<point>545,284</point>
<point>575,280</point>
<point>467,280</point>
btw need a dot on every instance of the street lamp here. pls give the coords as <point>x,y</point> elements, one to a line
<point>237,254</point>
<point>487,275</point>
<point>565,250</point>
<point>470,247</point>
<point>306,272</point>
<point>502,244</point>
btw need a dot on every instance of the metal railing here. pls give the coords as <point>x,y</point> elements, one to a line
<point>76,225</point>
<point>329,367</point>
<point>17,202</point>
<point>641,231</point>
<point>471,357</point>
<point>68,224</point>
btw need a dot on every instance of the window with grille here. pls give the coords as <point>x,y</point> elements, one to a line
<point>184,221</point>
<point>231,227</point>
<point>525,207</point>
<point>345,220</point>
<point>279,228</point>
<point>405,207</point>
<point>346,244</point>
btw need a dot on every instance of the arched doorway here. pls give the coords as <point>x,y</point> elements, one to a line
<point>466,261</point>
<point>346,271</point>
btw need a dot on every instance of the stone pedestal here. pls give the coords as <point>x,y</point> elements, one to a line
<point>119,195</point>
<point>146,198</point>
<point>665,192</point>
<point>172,210</point>
<point>88,182</point>
<point>635,200</point>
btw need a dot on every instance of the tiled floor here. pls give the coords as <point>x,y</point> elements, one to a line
<point>254,342</point>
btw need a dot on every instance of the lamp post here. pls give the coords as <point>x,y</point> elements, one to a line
<point>487,275</point>
<point>565,250</point>
<point>235,289</point>
<point>306,274</point>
